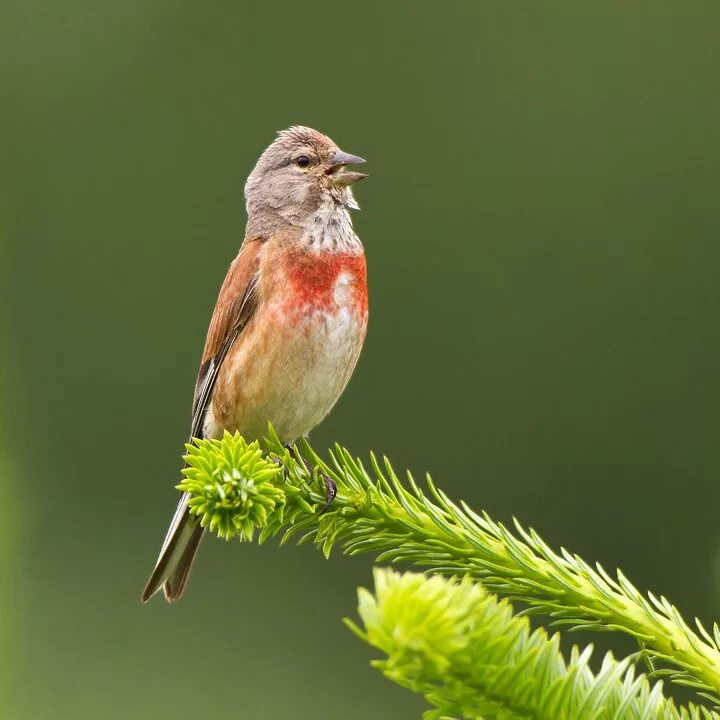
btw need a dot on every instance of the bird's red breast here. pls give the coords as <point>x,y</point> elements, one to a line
<point>314,280</point>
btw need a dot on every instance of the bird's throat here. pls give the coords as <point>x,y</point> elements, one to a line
<point>330,229</point>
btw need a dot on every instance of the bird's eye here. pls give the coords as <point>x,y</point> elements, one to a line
<point>302,161</point>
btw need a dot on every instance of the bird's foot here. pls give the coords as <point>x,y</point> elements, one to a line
<point>330,486</point>
<point>330,491</point>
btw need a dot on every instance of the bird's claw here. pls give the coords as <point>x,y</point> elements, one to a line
<point>330,486</point>
<point>330,491</point>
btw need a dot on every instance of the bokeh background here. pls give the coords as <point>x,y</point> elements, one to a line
<point>543,235</point>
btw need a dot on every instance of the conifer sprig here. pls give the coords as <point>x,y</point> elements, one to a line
<point>375,512</point>
<point>466,652</point>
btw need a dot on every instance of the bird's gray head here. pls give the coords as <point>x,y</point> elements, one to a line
<point>300,172</point>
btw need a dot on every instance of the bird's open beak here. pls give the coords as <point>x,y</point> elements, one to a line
<point>338,175</point>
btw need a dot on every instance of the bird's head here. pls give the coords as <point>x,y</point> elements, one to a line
<point>301,170</point>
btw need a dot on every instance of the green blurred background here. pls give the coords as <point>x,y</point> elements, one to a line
<point>543,236</point>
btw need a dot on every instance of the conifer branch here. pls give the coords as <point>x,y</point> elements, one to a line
<point>238,492</point>
<point>466,652</point>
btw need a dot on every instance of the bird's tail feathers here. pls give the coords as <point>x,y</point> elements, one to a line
<point>176,556</point>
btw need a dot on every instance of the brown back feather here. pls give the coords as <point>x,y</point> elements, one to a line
<point>234,307</point>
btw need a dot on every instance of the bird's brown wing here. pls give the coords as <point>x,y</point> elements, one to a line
<point>235,305</point>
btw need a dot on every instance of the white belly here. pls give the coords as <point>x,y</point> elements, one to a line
<point>294,374</point>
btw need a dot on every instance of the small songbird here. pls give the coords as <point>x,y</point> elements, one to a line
<point>290,319</point>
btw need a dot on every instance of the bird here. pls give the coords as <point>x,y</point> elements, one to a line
<point>290,318</point>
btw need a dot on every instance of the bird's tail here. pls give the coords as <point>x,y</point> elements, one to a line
<point>176,556</point>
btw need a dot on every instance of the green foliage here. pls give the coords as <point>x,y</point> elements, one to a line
<point>377,513</point>
<point>231,486</point>
<point>471,657</point>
